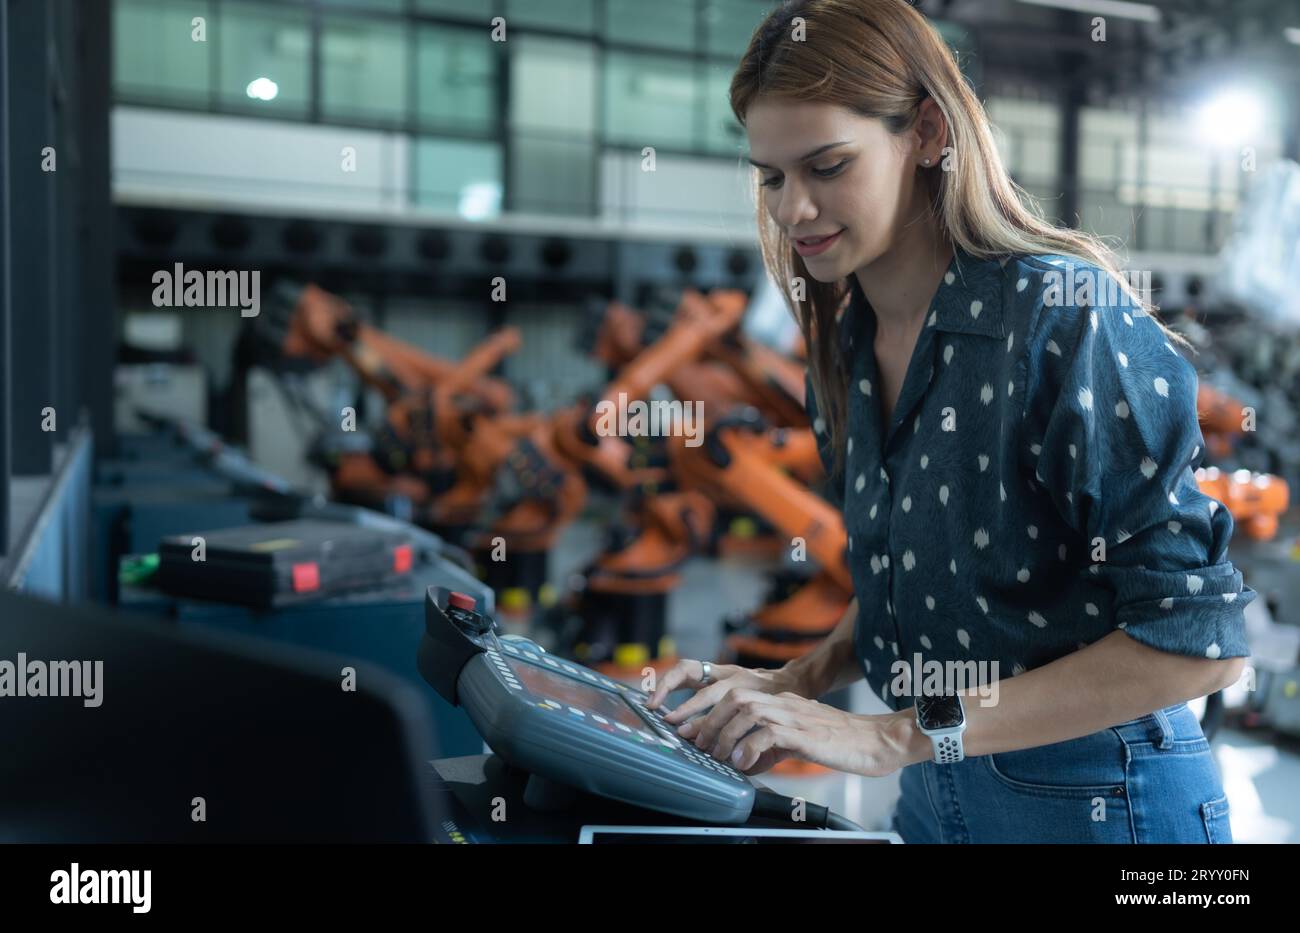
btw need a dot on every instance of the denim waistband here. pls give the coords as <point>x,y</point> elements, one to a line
<point>1163,727</point>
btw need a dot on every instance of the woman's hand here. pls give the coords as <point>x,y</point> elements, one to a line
<point>723,678</point>
<point>756,721</point>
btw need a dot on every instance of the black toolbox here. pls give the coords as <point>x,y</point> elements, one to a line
<point>281,563</point>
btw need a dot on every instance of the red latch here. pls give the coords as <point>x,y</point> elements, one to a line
<point>402,558</point>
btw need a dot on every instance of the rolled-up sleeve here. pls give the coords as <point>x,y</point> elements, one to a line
<point>1111,435</point>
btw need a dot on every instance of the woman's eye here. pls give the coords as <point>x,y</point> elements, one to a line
<point>828,172</point>
<point>834,170</point>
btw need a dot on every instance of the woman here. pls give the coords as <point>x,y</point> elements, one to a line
<point>1013,454</point>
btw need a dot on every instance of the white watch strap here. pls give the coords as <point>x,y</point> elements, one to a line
<point>948,749</point>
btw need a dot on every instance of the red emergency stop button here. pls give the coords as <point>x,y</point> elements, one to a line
<point>462,601</point>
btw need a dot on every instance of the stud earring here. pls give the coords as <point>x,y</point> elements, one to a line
<point>925,161</point>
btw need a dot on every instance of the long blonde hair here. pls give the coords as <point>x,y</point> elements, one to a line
<point>882,59</point>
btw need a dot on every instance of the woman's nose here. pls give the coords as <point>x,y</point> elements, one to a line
<point>795,209</point>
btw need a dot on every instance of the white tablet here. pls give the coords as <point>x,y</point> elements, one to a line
<point>727,835</point>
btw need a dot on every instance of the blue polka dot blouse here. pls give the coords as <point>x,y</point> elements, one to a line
<point>1033,490</point>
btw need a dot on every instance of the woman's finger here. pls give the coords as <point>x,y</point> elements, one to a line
<point>677,676</point>
<point>744,722</point>
<point>763,710</point>
<point>722,713</point>
<point>766,761</point>
<point>689,672</point>
<point>767,741</point>
<point>701,700</point>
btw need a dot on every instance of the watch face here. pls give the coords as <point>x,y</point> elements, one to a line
<point>939,712</point>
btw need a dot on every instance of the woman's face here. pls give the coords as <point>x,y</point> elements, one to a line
<point>825,171</point>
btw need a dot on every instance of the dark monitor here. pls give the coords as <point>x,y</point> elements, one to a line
<point>267,736</point>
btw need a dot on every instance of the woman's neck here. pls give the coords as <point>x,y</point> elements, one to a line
<point>902,282</point>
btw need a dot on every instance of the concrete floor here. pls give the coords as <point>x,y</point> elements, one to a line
<point>1261,775</point>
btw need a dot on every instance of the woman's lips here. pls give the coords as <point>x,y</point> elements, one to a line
<point>806,248</point>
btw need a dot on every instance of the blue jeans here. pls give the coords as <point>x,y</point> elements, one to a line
<point>1152,779</point>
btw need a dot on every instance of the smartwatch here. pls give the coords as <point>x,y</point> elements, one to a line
<point>943,719</point>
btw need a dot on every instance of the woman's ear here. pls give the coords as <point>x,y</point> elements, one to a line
<point>930,133</point>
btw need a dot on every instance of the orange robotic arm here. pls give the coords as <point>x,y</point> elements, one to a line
<point>1254,499</point>
<point>582,434</point>
<point>1221,418</point>
<point>323,326</point>
<point>741,460</point>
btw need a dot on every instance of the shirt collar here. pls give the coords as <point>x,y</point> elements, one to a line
<point>969,299</point>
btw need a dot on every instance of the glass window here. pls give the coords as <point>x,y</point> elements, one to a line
<point>458,176</point>
<point>455,79</point>
<point>392,6</point>
<point>729,24</point>
<point>650,100</point>
<point>1038,158</point>
<point>155,55</point>
<point>1103,215</point>
<point>569,15</point>
<point>479,10</point>
<point>1107,144</point>
<point>264,57</point>
<point>552,126</point>
<point>553,85</point>
<point>1027,133</point>
<point>722,133</point>
<point>1099,161</point>
<point>363,69</point>
<point>667,23</point>
<point>551,175</point>
<point>1174,230</point>
<point>963,48</point>
<point>1177,176</point>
